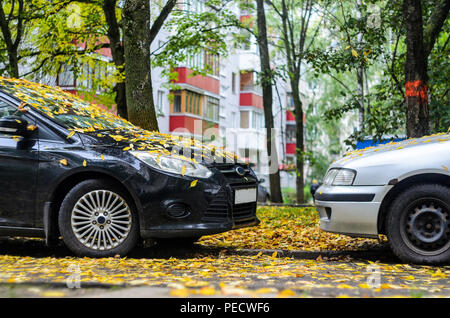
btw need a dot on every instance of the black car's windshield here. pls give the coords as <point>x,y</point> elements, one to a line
<point>69,110</point>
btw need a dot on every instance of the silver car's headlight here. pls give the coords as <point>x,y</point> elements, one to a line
<point>173,165</point>
<point>340,177</point>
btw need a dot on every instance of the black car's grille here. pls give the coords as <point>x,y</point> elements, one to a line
<point>244,213</point>
<point>229,170</point>
<point>218,208</point>
<point>222,206</point>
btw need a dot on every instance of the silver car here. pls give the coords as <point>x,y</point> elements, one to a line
<point>398,189</point>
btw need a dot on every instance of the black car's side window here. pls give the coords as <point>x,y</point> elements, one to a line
<point>7,110</point>
<point>43,133</point>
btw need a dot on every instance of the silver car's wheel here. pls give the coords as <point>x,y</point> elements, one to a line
<point>418,224</point>
<point>427,228</point>
<point>101,220</point>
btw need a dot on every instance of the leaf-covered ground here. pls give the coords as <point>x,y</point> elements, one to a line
<point>288,228</point>
<point>215,268</point>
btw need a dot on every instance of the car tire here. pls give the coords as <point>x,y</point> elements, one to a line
<point>98,219</point>
<point>418,224</point>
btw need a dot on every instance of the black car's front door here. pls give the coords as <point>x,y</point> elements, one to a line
<point>18,171</point>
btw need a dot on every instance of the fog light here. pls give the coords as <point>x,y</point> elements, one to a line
<point>328,212</point>
<point>177,210</point>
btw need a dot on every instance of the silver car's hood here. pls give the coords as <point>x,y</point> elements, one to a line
<point>377,165</point>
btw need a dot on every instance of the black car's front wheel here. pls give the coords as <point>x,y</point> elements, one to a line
<point>418,224</point>
<point>98,219</point>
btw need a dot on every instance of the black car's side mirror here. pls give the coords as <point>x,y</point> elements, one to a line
<point>262,180</point>
<point>13,126</point>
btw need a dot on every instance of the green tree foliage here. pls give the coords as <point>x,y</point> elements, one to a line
<point>383,53</point>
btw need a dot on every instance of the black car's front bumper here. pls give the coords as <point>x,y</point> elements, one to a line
<point>209,205</point>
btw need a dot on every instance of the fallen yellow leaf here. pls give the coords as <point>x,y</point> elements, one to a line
<point>53,294</point>
<point>180,292</point>
<point>194,183</point>
<point>70,134</point>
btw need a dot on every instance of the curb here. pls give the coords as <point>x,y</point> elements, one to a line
<point>294,205</point>
<point>313,255</point>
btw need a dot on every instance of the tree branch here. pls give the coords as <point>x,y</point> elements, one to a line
<point>435,23</point>
<point>157,25</point>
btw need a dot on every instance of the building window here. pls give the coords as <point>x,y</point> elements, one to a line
<point>291,134</point>
<point>212,108</point>
<point>212,63</point>
<point>160,100</point>
<point>204,61</point>
<point>193,102</point>
<point>244,119</point>
<point>233,82</point>
<point>257,120</point>
<point>66,77</point>
<point>249,81</point>
<point>245,41</point>
<point>195,61</point>
<point>177,102</point>
<point>195,6</point>
<point>233,120</point>
<point>290,101</point>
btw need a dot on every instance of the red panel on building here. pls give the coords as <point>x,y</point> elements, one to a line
<point>188,123</point>
<point>104,51</point>
<point>251,99</point>
<point>290,149</point>
<point>207,83</point>
<point>177,122</point>
<point>290,116</point>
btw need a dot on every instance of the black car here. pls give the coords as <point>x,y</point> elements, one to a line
<point>70,169</point>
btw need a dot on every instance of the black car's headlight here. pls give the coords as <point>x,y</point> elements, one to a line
<point>339,177</point>
<point>173,164</point>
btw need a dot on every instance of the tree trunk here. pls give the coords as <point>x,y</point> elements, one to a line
<point>419,43</point>
<point>13,63</point>
<point>360,76</point>
<point>121,100</point>
<point>117,52</point>
<point>139,95</point>
<point>416,90</point>
<point>266,82</point>
<point>298,107</point>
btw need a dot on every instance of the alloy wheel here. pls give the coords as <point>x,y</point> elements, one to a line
<point>101,220</point>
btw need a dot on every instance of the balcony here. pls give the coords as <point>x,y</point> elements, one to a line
<point>206,83</point>
<point>290,148</point>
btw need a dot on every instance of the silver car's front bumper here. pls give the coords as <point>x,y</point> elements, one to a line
<point>351,210</point>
